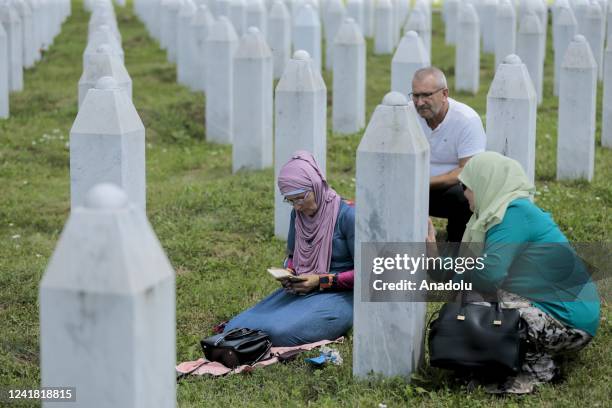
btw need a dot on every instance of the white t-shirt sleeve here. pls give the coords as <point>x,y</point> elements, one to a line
<point>472,139</point>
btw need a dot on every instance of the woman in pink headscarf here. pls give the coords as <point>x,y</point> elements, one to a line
<point>320,248</point>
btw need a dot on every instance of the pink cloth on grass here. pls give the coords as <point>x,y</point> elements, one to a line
<point>202,366</point>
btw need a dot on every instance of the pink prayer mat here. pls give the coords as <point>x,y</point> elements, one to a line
<point>202,366</point>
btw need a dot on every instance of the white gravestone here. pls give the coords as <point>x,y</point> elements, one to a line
<point>252,135</point>
<point>505,31</point>
<point>594,32</point>
<point>606,116</point>
<point>418,22</point>
<point>489,12</point>
<point>27,27</point>
<point>185,49</point>
<point>256,15</point>
<point>528,48</point>
<point>368,18</point>
<point>200,26</point>
<point>279,36</point>
<point>383,28</point>
<point>221,44</point>
<point>511,114</point>
<point>107,308</point>
<point>221,7</point>
<point>335,13</point>
<point>409,57</point>
<point>450,30</point>
<point>300,105</point>
<point>307,33</point>
<point>580,9</point>
<point>164,23</point>
<point>348,107</point>
<point>467,51</point>
<point>577,110</point>
<point>102,35</point>
<point>101,64</point>
<point>173,10</point>
<point>237,15</point>
<point>541,10</point>
<point>609,20</point>
<point>4,75</point>
<point>107,144</point>
<point>9,18</point>
<point>392,189</point>
<point>566,28</point>
<point>354,9</point>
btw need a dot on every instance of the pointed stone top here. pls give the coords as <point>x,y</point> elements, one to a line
<point>594,11</point>
<point>255,5</point>
<point>106,196</point>
<point>301,55</point>
<point>579,38</point>
<point>202,17</point>
<point>530,24</point>
<point>512,81</point>
<point>579,55</point>
<point>188,8</point>
<point>505,9</point>
<point>395,99</point>
<point>411,50</point>
<point>512,59</point>
<point>222,31</point>
<point>253,45</point>
<point>279,11</point>
<point>566,16</point>
<point>349,33</point>
<point>468,14</point>
<point>307,16</point>
<point>335,7</point>
<point>104,49</point>
<point>107,83</point>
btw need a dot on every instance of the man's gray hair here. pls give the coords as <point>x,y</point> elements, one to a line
<point>435,72</point>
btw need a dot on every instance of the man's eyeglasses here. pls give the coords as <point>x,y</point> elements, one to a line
<point>297,200</point>
<point>424,95</point>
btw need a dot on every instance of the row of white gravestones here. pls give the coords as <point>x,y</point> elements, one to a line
<point>505,31</point>
<point>103,55</point>
<point>26,27</point>
<point>606,117</point>
<point>109,314</point>
<point>392,161</point>
<point>565,27</point>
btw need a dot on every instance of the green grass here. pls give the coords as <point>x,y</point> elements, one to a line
<point>217,228</point>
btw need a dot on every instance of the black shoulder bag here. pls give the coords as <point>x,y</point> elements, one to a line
<point>237,347</point>
<point>477,338</point>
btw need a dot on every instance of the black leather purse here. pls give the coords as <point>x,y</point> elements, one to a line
<point>477,339</point>
<point>237,347</point>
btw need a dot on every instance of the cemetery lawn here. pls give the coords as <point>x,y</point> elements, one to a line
<point>217,228</point>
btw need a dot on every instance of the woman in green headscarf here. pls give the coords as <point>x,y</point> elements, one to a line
<point>529,263</point>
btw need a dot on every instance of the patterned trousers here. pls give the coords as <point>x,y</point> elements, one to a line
<point>547,338</point>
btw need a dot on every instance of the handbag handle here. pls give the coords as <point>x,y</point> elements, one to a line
<point>244,332</point>
<point>496,304</point>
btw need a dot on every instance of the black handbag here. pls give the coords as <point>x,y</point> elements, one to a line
<point>475,338</point>
<point>237,347</point>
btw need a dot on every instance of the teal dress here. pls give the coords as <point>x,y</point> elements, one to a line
<point>527,254</point>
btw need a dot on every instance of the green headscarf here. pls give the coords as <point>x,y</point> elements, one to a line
<point>496,181</point>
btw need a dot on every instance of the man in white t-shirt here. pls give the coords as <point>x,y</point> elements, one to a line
<point>455,134</point>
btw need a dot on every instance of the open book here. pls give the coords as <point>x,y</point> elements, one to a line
<point>282,273</point>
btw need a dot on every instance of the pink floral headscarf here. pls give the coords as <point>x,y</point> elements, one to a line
<point>313,235</point>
